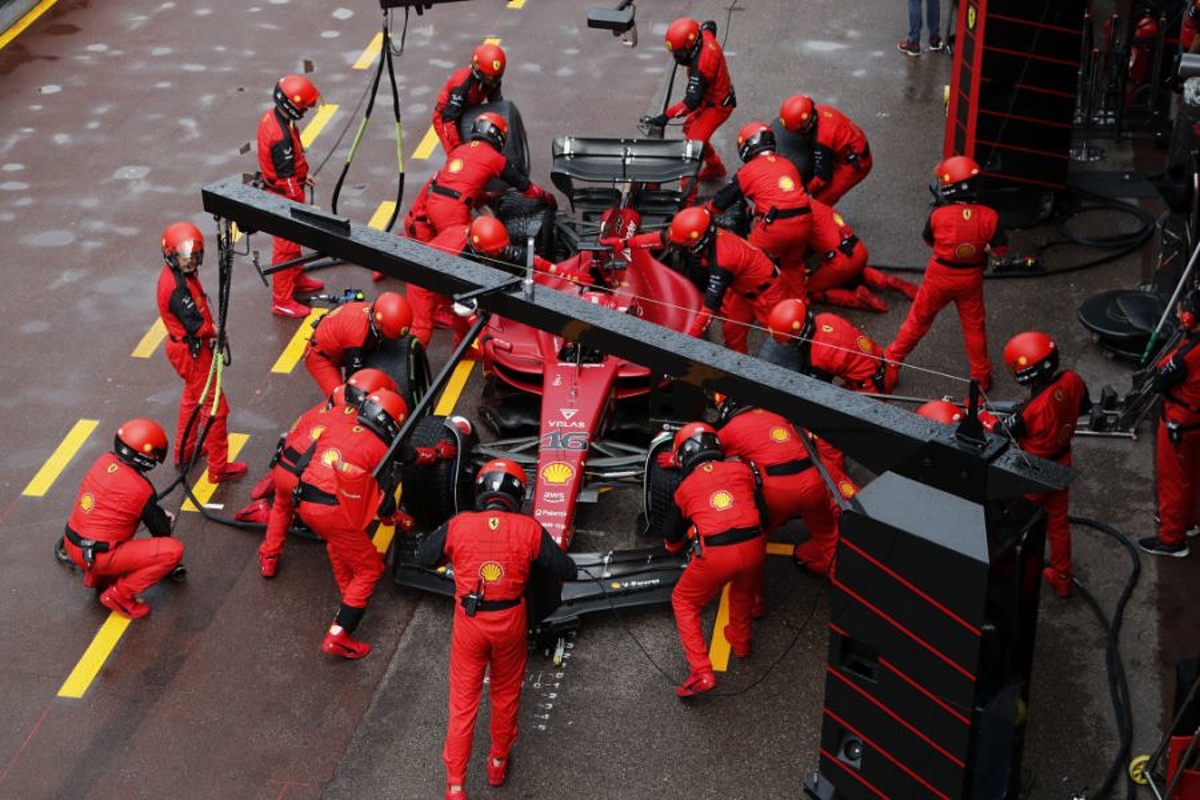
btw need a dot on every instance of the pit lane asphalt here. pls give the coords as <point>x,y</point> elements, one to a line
<point>115,116</point>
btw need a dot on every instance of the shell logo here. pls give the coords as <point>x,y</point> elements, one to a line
<point>491,571</point>
<point>864,344</point>
<point>786,184</point>
<point>847,489</point>
<point>331,457</point>
<point>965,251</point>
<point>316,432</point>
<point>557,473</point>
<point>837,218</point>
<point>779,434</point>
<point>614,585</point>
<point>455,165</point>
<point>87,502</point>
<point>721,500</point>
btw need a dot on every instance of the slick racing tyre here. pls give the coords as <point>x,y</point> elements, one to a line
<point>660,518</point>
<point>435,492</point>
<point>516,146</point>
<point>404,359</point>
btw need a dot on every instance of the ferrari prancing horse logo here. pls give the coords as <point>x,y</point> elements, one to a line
<point>494,523</point>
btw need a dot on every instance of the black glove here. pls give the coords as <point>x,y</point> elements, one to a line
<point>657,121</point>
<point>710,26</point>
<point>1169,373</point>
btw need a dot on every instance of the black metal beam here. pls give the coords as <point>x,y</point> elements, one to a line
<point>877,435</point>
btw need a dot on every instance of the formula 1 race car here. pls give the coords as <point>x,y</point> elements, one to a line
<point>577,419</point>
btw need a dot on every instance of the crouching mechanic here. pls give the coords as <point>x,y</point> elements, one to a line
<point>114,498</point>
<point>343,338</point>
<point>492,550</point>
<point>339,496</point>
<point>822,346</point>
<point>791,484</point>
<point>722,503</point>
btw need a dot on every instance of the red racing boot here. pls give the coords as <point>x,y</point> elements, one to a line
<point>339,643</point>
<point>741,650</point>
<point>456,791</point>
<point>307,285</point>
<point>127,607</point>
<point>233,470</point>
<point>697,683</point>
<point>497,769</point>
<point>268,565</point>
<point>290,309</point>
<point>264,488</point>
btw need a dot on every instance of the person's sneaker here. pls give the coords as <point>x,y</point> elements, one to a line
<point>1060,582</point>
<point>741,651</point>
<point>1154,546</point>
<point>455,792</point>
<point>264,488</point>
<point>497,770</point>
<point>909,48</point>
<point>307,285</point>
<point>290,309</point>
<point>129,608</point>
<point>697,683</point>
<point>339,643</point>
<point>268,565</point>
<point>936,45</point>
<point>233,470</point>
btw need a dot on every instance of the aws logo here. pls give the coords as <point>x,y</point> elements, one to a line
<point>721,500</point>
<point>491,571</point>
<point>87,502</point>
<point>557,473</point>
<point>779,435</point>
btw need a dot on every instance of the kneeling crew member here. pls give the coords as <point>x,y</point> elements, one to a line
<point>343,338</point>
<point>114,498</point>
<point>492,550</point>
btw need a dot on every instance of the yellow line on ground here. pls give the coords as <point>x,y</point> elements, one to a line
<point>312,129</point>
<point>204,488</point>
<point>371,53</point>
<point>235,231</point>
<point>59,459</point>
<point>25,21</point>
<point>382,215</point>
<point>454,388</point>
<point>516,3</point>
<point>492,40</point>
<point>150,342</point>
<point>426,147</point>
<point>718,651</point>
<point>93,659</point>
<point>292,354</point>
<point>780,548</point>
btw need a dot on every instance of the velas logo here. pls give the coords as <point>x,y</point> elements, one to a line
<point>779,434</point>
<point>87,502</point>
<point>721,500</point>
<point>331,457</point>
<point>557,473</point>
<point>491,571</point>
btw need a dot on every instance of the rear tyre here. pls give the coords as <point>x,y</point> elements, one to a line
<point>661,518</point>
<point>435,492</point>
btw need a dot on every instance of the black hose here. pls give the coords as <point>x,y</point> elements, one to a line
<point>1118,684</point>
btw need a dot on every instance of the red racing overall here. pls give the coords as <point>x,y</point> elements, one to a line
<point>708,100</point>
<point>1043,426</point>
<point>719,499</point>
<point>782,223</point>
<point>1177,455</point>
<point>492,552</point>
<point>734,264</point>
<point>458,187</point>
<point>191,339</point>
<point>294,456</point>
<point>339,343</point>
<point>840,262</point>
<point>113,498</point>
<point>285,170</point>
<point>427,304</point>
<point>841,156</point>
<point>961,235</point>
<point>331,513</point>
<point>791,484</point>
<point>462,91</point>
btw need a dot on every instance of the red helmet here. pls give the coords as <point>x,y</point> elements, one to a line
<point>500,481</point>
<point>487,236</point>
<point>683,36</point>
<point>183,246</point>
<point>487,62</point>
<point>383,412</point>
<point>728,408</point>
<point>790,319</point>
<point>141,443</point>
<point>798,114</point>
<point>755,138</point>
<point>365,382</point>
<point>391,315</point>
<point>1031,355</point>
<point>956,176</point>
<point>941,411</point>
<point>694,444</point>
<point>691,229</point>
<point>491,128</point>
<point>295,94</point>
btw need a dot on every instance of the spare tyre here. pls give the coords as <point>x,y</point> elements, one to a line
<point>436,492</point>
<point>516,146</point>
<point>660,518</point>
<point>404,359</point>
